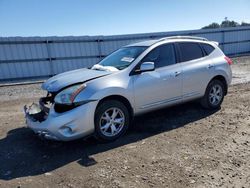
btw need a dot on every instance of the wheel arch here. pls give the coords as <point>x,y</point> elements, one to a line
<point>121,99</point>
<point>223,80</point>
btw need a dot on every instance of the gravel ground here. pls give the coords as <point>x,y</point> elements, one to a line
<point>183,146</point>
<point>241,70</point>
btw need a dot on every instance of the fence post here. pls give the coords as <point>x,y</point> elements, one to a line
<point>99,48</point>
<point>49,57</point>
<point>223,41</point>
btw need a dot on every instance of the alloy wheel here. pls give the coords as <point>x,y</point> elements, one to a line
<point>112,122</point>
<point>215,94</point>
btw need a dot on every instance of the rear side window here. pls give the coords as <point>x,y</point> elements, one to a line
<point>207,48</point>
<point>162,56</point>
<point>190,51</point>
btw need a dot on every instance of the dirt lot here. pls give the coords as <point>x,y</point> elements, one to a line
<point>183,146</point>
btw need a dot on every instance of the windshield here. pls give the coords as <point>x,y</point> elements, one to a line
<point>123,57</point>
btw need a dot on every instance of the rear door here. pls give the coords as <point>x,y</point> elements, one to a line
<point>196,69</point>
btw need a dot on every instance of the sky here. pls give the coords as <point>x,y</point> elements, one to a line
<point>112,17</point>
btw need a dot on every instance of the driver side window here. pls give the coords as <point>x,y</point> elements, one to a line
<point>162,56</point>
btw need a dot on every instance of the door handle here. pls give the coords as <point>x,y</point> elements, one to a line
<point>177,73</point>
<point>210,66</point>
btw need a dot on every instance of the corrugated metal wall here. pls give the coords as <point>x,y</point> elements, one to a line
<point>32,57</point>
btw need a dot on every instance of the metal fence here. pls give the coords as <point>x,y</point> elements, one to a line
<point>36,57</point>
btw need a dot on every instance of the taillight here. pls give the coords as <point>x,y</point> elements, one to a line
<point>229,61</point>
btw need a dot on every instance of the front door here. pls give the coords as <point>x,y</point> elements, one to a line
<point>162,86</point>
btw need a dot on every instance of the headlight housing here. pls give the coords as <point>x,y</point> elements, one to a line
<point>68,95</point>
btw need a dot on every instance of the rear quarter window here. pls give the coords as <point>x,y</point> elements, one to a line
<point>207,48</point>
<point>190,51</point>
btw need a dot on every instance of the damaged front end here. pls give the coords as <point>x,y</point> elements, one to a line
<point>36,114</point>
<point>55,121</point>
<point>61,115</point>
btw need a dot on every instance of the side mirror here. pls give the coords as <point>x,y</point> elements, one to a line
<point>147,66</point>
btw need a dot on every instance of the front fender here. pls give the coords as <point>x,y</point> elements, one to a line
<point>112,91</point>
<point>101,94</point>
<point>105,87</point>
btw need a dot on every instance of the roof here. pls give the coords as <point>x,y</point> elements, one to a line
<point>151,42</point>
<point>144,43</point>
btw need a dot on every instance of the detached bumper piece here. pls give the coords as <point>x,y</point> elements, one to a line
<point>39,112</point>
<point>35,113</point>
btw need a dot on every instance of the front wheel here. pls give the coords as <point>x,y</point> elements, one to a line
<point>111,120</point>
<point>214,95</point>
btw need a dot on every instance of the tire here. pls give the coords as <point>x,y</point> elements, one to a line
<point>214,95</point>
<point>109,127</point>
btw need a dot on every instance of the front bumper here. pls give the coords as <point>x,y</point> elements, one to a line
<point>70,125</point>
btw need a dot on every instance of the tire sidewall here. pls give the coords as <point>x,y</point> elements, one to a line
<point>99,112</point>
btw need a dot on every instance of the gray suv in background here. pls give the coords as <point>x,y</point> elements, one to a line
<point>135,79</point>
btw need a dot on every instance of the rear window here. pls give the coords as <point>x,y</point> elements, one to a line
<point>207,48</point>
<point>190,51</point>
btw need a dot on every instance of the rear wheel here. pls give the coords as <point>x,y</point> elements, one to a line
<point>214,95</point>
<point>111,120</point>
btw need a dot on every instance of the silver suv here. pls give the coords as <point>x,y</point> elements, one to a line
<point>135,79</point>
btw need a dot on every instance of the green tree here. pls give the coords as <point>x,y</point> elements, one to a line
<point>245,24</point>
<point>212,26</point>
<point>225,23</point>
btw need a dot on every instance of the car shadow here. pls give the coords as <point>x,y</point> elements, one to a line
<point>24,154</point>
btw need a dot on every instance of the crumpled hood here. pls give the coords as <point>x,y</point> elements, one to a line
<point>65,79</point>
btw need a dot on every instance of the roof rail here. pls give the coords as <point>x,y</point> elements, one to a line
<point>184,37</point>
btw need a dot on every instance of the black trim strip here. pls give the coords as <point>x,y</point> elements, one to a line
<point>239,54</point>
<point>234,42</point>
<point>23,79</point>
<point>50,59</point>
